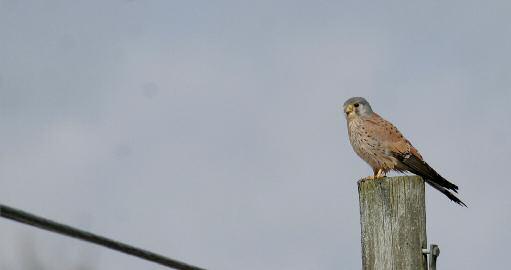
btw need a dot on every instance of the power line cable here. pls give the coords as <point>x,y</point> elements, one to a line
<point>46,224</point>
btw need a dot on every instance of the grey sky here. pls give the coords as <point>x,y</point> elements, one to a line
<point>210,131</point>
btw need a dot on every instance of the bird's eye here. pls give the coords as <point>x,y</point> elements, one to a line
<point>356,105</point>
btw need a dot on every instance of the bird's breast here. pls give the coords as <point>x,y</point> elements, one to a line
<point>367,146</point>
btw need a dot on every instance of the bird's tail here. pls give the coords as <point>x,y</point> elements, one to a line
<point>445,191</point>
<point>419,167</point>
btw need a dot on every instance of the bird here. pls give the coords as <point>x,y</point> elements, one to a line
<point>379,143</point>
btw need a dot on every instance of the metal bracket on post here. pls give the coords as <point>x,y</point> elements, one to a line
<point>434,252</point>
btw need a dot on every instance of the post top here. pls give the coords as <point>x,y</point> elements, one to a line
<point>365,180</point>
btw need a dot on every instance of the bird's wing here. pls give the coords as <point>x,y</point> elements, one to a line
<point>419,167</point>
<point>401,149</point>
<point>390,137</point>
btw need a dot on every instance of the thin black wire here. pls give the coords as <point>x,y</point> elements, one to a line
<point>46,224</point>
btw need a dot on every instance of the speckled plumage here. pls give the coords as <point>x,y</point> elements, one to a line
<point>384,148</point>
<point>366,137</point>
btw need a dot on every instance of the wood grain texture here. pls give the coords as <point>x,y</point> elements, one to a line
<point>393,223</point>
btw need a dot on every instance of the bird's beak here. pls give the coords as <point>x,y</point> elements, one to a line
<point>348,109</point>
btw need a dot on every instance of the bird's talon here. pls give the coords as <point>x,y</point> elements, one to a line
<point>379,174</point>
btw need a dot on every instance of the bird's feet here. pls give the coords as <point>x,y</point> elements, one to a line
<point>379,174</point>
<point>370,177</point>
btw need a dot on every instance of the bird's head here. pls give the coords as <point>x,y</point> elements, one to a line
<point>356,107</point>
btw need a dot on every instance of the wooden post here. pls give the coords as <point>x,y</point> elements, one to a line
<point>393,223</point>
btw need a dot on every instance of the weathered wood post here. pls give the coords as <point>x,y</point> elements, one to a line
<point>393,223</point>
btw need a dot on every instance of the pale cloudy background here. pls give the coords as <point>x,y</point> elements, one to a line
<point>209,131</point>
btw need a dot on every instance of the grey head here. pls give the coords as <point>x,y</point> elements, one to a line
<point>357,106</point>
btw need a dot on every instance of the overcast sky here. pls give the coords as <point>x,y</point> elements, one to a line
<point>209,131</point>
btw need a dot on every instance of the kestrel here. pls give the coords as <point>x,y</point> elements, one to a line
<point>384,148</point>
